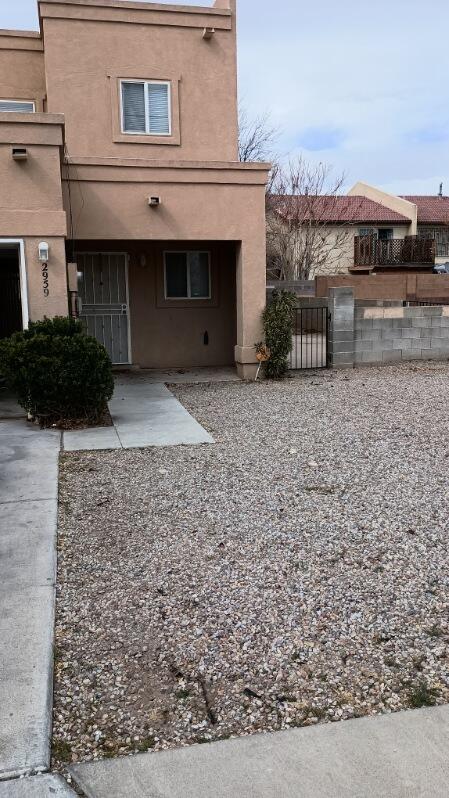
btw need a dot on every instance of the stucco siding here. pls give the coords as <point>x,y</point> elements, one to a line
<point>204,71</point>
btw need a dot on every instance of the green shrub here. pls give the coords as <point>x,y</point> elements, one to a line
<point>57,372</point>
<point>278,329</point>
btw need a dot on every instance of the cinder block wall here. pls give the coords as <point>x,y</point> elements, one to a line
<point>384,333</point>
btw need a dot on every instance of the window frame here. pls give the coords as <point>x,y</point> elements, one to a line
<point>373,232</point>
<point>147,131</point>
<point>17,102</point>
<point>189,297</point>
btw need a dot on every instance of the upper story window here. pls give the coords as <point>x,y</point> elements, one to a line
<point>187,275</point>
<point>17,106</point>
<point>146,107</point>
<point>367,231</point>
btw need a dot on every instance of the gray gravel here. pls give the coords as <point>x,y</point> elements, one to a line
<point>296,572</point>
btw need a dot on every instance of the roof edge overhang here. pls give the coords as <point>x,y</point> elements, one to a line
<point>218,17</point>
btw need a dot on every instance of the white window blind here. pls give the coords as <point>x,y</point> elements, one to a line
<point>146,107</point>
<point>17,106</point>
<point>133,103</point>
<point>158,111</point>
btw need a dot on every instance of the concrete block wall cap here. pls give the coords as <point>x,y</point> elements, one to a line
<point>341,291</point>
<point>373,313</point>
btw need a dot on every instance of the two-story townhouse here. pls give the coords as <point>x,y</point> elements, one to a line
<point>120,182</point>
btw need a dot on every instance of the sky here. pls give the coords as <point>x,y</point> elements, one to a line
<point>362,87</point>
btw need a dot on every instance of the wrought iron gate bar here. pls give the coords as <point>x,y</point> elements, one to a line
<point>310,338</point>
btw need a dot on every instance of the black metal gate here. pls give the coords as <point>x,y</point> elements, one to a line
<point>310,338</point>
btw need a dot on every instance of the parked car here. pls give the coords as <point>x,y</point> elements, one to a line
<point>441,268</point>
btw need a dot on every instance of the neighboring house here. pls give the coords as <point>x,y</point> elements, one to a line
<point>417,242</point>
<point>122,194</point>
<point>312,235</point>
<point>367,230</point>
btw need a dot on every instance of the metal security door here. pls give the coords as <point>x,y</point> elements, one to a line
<point>103,295</point>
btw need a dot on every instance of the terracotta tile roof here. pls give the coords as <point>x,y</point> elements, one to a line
<point>338,209</point>
<point>431,210</point>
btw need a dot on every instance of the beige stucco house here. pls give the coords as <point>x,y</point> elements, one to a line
<point>121,193</point>
<point>405,232</point>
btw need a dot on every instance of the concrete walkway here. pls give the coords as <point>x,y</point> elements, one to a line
<point>404,755</point>
<point>45,786</point>
<point>144,413</point>
<point>28,518</point>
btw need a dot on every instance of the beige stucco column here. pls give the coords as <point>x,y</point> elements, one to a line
<point>251,298</point>
<point>46,283</point>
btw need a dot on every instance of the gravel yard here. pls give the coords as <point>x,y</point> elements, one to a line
<point>296,572</point>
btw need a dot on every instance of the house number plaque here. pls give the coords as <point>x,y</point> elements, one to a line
<point>45,287</point>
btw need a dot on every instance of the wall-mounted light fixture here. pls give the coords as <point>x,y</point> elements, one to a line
<point>154,202</point>
<point>43,250</point>
<point>19,153</point>
<point>208,33</point>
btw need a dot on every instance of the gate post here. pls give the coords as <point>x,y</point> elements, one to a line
<point>341,328</point>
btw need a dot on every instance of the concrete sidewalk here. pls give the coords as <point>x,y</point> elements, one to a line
<point>45,786</point>
<point>28,519</point>
<point>403,755</point>
<point>144,413</point>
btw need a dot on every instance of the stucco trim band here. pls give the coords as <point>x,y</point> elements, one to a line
<point>21,40</point>
<point>32,223</point>
<point>140,171</point>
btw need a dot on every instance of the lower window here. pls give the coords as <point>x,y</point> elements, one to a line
<point>187,275</point>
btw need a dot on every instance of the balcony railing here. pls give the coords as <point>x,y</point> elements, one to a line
<point>371,251</point>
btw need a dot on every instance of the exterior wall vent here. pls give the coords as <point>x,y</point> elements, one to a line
<point>19,153</point>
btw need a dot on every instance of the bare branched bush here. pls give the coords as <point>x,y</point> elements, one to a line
<point>304,234</point>
<point>257,138</point>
